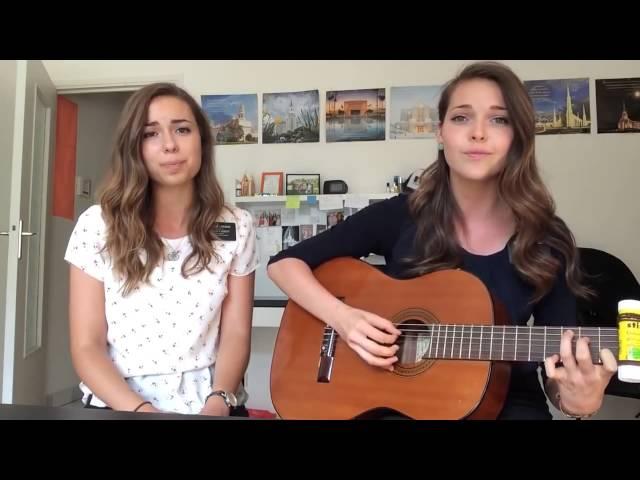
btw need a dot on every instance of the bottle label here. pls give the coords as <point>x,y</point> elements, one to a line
<point>629,334</point>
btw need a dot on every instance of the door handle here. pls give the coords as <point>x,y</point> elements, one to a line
<point>22,234</point>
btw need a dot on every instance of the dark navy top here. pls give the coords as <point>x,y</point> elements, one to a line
<point>386,228</point>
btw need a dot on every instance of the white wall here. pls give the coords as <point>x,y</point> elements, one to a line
<point>593,177</point>
<point>7,106</point>
<point>97,117</point>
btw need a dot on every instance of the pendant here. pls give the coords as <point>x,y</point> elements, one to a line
<point>173,256</point>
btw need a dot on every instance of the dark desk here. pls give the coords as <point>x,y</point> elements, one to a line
<point>270,302</point>
<point>29,412</point>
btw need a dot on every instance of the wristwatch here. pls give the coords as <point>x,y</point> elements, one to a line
<point>229,398</point>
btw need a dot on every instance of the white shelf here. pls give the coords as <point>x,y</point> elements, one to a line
<point>268,317</point>
<point>303,198</point>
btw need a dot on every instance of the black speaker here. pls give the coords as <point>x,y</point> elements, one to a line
<point>334,186</point>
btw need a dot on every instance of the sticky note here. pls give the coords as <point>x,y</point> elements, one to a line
<point>293,201</point>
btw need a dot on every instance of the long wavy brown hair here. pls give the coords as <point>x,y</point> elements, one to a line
<point>543,243</point>
<point>126,200</point>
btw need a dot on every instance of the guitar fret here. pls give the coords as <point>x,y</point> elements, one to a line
<point>438,341</point>
<point>461,341</point>
<point>515,352</point>
<point>580,333</point>
<point>453,340</point>
<point>470,340</point>
<point>599,347</point>
<point>529,356</point>
<point>444,347</point>
<point>504,332</point>
<point>481,331</point>
<point>431,342</point>
<point>491,345</point>
<point>557,349</point>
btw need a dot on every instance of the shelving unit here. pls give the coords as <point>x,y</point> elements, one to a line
<point>270,316</point>
<point>304,198</point>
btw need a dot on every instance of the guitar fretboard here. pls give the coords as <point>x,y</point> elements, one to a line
<point>505,343</point>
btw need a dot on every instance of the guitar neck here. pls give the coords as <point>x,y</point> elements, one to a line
<point>504,343</point>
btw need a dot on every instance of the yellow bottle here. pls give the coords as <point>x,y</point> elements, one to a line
<point>629,341</point>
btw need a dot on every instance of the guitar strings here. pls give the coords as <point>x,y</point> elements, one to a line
<point>523,349</point>
<point>509,336</point>
<point>550,331</point>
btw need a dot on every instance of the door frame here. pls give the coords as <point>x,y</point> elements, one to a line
<point>107,85</point>
<point>12,288</point>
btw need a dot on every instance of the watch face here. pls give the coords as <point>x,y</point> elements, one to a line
<point>233,401</point>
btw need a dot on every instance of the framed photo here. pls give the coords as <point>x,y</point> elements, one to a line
<point>268,218</point>
<point>306,231</point>
<point>334,218</point>
<point>271,183</point>
<point>303,183</point>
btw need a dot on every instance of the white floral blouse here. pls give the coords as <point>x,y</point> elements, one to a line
<point>163,336</point>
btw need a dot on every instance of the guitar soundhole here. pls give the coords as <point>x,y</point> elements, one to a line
<point>414,342</point>
<point>416,327</point>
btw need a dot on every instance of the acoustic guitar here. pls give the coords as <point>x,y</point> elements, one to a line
<point>454,359</point>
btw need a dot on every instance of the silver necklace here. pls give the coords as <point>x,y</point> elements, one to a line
<point>174,253</point>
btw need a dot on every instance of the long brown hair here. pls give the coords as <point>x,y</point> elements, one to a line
<point>539,231</point>
<point>126,201</point>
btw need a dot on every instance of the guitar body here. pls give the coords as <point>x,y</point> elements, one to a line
<point>307,384</point>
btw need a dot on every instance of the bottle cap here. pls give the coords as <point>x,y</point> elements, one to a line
<point>629,306</point>
<point>629,373</point>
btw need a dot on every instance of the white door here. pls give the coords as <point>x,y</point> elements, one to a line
<point>24,187</point>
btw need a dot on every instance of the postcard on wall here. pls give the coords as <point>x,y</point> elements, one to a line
<point>269,240</point>
<point>306,231</point>
<point>292,117</point>
<point>333,218</point>
<point>290,236</point>
<point>233,118</point>
<point>268,217</point>
<point>618,103</point>
<point>330,202</point>
<point>561,106</point>
<point>356,115</point>
<point>414,112</point>
<point>317,216</point>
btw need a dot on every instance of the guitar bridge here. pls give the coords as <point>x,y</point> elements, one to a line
<point>327,352</point>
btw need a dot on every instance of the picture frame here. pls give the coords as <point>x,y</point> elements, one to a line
<point>271,183</point>
<point>303,184</point>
